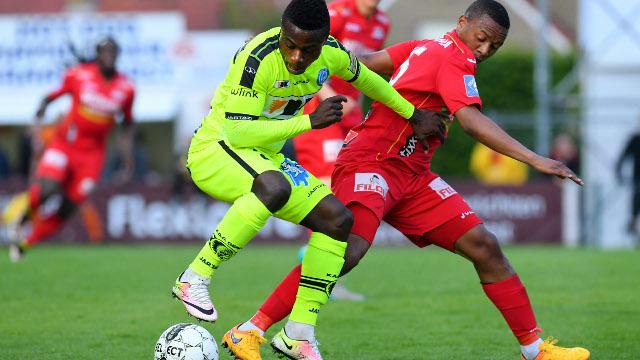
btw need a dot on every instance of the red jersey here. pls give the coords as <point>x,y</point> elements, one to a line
<point>359,35</point>
<point>432,74</point>
<point>95,104</point>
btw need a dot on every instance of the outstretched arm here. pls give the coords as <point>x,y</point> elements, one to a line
<point>483,129</point>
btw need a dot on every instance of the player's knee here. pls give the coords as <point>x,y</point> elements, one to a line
<point>486,247</point>
<point>272,189</point>
<point>339,225</point>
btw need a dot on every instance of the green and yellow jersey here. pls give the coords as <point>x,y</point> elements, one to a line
<point>260,103</point>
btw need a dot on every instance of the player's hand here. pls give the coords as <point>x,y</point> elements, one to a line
<point>328,112</point>
<point>557,168</point>
<point>427,123</point>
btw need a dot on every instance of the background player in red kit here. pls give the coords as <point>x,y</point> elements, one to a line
<point>72,162</point>
<point>383,173</point>
<point>362,28</point>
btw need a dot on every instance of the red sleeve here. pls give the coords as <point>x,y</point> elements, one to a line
<point>65,87</point>
<point>337,21</point>
<point>456,84</point>
<point>127,107</point>
<point>400,52</point>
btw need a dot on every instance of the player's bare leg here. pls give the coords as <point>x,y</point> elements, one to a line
<point>502,285</point>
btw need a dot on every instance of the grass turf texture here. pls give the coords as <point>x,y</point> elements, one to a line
<point>112,302</point>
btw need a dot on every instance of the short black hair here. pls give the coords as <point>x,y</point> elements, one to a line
<point>309,15</point>
<point>491,8</point>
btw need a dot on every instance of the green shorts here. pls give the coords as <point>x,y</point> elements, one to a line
<point>226,173</point>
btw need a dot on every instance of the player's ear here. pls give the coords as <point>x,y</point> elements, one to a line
<point>462,21</point>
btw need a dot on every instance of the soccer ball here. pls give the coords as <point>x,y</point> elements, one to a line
<point>186,342</point>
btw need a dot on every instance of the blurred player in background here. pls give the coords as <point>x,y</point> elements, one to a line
<point>383,173</point>
<point>72,161</point>
<point>362,28</point>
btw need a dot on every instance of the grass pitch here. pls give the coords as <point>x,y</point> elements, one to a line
<point>112,302</point>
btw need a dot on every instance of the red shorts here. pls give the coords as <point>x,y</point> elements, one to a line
<point>421,206</point>
<point>77,170</point>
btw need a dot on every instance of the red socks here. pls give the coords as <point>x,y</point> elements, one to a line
<point>279,304</point>
<point>510,297</point>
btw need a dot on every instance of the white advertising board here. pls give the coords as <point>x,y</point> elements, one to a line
<point>35,52</point>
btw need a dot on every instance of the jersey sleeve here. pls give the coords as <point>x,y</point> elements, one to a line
<point>400,52</point>
<point>456,84</point>
<point>250,79</point>
<point>66,86</point>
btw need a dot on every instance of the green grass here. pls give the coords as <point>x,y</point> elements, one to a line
<point>112,302</point>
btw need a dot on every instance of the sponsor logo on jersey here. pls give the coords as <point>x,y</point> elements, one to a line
<point>282,108</point>
<point>350,136</point>
<point>409,146</point>
<point>281,84</point>
<point>444,42</point>
<point>244,92</point>
<point>330,149</point>
<point>371,182</point>
<point>441,188</point>
<point>238,116</point>
<point>473,61</point>
<point>323,75</point>
<point>296,173</point>
<point>353,27</point>
<point>377,33</point>
<point>300,82</point>
<point>250,70</point>
<point>470,85</point>
<point>465,214</point>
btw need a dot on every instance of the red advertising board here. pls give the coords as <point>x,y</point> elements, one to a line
<point>151,214</point>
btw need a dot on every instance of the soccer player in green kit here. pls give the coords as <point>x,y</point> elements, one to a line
<point>235,157</point>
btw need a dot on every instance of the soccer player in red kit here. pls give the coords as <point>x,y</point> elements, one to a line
<point>362,28</point>
<point>383,173</point>
<point>71,164</point>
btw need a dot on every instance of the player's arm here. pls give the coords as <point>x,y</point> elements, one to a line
<point>379,62</point>
<point>64,88</point>
<point>386,61</point>
<point>242,123</point>
<point>483,129</point>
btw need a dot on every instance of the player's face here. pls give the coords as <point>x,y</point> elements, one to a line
<point>299,47</point>
<point>482,35</point>
<point>107,56</point>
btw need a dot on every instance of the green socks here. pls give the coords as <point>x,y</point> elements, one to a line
<point>239,225</point>
<point>321,267</point>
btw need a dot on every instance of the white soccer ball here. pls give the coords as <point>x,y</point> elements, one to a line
<point>186,342</point>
